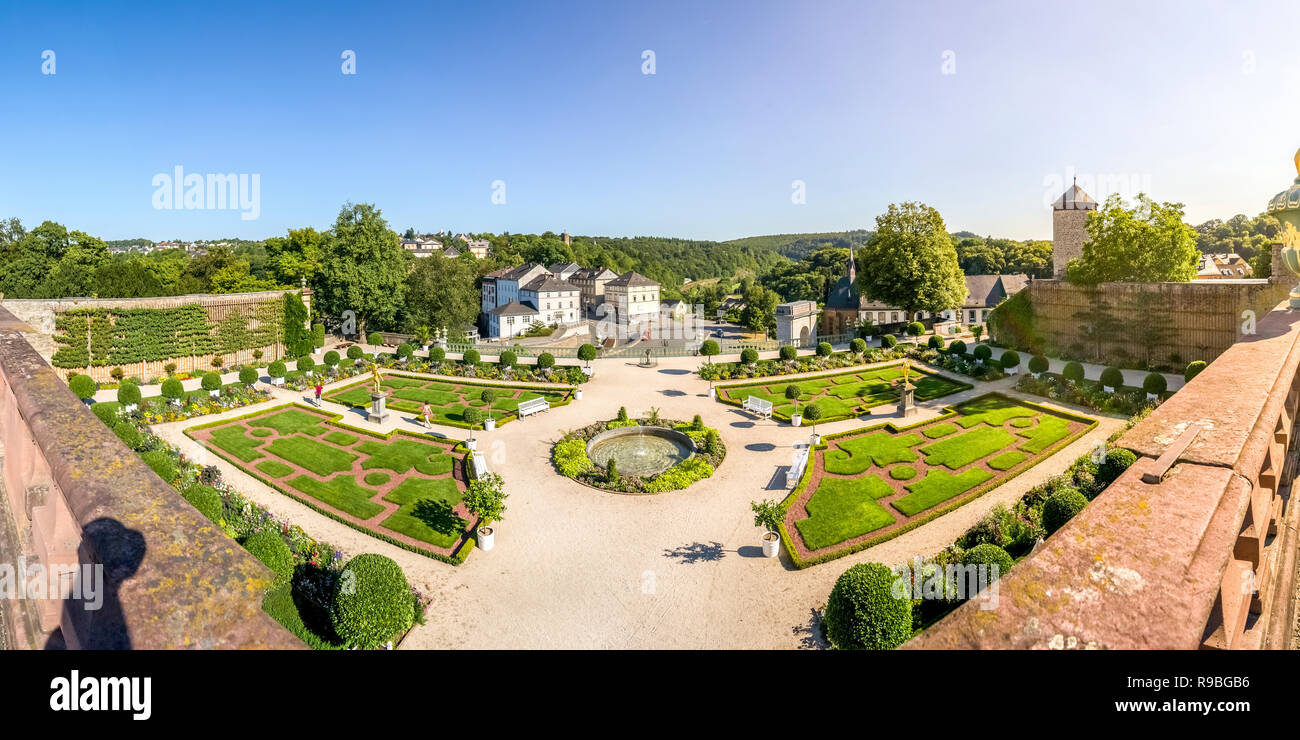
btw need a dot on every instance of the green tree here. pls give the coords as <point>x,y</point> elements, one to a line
<point>441,293</point>
<point>364,268</point>
<point>1148,243</point>
<point>292,258</point>
<point>910,262</point>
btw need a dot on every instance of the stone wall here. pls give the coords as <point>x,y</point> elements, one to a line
<point>1200,320</point>
<point>39,314</point>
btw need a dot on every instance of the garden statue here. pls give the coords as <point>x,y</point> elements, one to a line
<point>374,373</point>
<point>906,392</point>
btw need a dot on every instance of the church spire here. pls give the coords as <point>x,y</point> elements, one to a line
<point>853,268</point>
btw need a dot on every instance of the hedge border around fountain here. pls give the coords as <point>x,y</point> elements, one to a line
<point>571,461</point>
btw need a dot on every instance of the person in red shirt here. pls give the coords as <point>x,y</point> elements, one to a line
<point>319,387</point>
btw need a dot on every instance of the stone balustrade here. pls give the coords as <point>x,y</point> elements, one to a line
<point>1194,546</point>
<point>75,496</point>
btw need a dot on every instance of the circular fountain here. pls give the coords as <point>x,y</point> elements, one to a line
<point>640,450</point>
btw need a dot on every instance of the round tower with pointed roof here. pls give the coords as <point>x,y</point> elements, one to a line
<point>1069,222</point>
<point>1285,206</point>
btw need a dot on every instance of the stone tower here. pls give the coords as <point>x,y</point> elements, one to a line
<point>1069,217</point>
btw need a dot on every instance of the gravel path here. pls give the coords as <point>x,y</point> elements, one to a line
<point>578,568</point>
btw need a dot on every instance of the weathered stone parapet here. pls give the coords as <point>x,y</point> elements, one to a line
<point>171,578</point>
<point>1199,555</point>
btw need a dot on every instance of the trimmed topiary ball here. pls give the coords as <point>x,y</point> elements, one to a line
<point>107,412</point>
<point>1112,377</point>
<point>988,555</point>
<point>405,351</point>
<point>161,463</point>
<point>824,349</point>
<point>129,435</point>
<point>889,341</point>
<point>789,353</point>
<point>128,393</point>
<point>437,354</point>
<point>1116,462</point>
<point>248,375</point>
<point>1193,369</point>
<point>508,359</point>
<point>749,356</point>
<point>1155,383</point>
<point>958,347</point>
<point>1073,371</point>
<point>84,386</point>
<point>372,602</point>
<point>545,360</point>
<point>306,364</point>
<point>331,359</point>
<point>858,346</point>
<point>862,612</point>
<point>276,369</point>
<point>272,550</point>
<point>172,390</point>
<point>375,338</point>
<point>471,357</point>
<point>1009,359</point>
<point>982,352</point>
<point>206,499</point>
<point>211,382</point>
<point>355,352</point>
<point>1038,364</point>
<point>1061,506</point>
<point>935,341</point>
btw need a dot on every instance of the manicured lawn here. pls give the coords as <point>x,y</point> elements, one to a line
<point>911,473</point>
<point>843,395</point>
<point>317,457</point>
<point>292,421</point>
<point>274,468</point>
<point>938,486</point>
<point>1007,460</point>
<point>341,492</point>
<point>842,509</point>
<point>964,449</point>
<point>447,401</point>
<point>425,511</point>
<point>400,455</point>
<point>881,448</point>
<point>232,440</point>
<point>314,441</point>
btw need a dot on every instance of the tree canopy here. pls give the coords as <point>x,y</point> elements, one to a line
<point>910,261</point>
<point>364,267</point>
<point>1146,243</point>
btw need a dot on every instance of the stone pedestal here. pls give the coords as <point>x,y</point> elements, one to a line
<point>907,401</point>
<point>378,408</point>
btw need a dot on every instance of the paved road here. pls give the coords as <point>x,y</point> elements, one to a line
<point>578,568</point>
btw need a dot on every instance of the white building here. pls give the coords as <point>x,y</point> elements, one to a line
<point>510,320</point>
<point>555,300</point>
<point>632,301</point>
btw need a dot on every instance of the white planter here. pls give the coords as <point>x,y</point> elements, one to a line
<point>130,408</point>
<point>307,373</point>
<point>214,394</point>
<point>485,536</point>
<point>577,395</point>
<point>490,424</point>
<point>713,393</point>
<point>796,419</point>
<point>1108,389</point>
<point>771,544</point>
<point>471,444</point>
<point>816,439</point>
<point>1011,370</point>
<point>1152,396</point>
<point>277,381</point>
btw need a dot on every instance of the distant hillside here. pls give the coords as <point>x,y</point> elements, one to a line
<point>798,246</point>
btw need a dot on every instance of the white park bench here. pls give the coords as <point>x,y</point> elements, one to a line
<point>480,465</point>
<point>532,406</point>
<point>758,406</point>
<point>797,464</point>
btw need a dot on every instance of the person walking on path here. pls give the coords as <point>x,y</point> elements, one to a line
<point>426,414</point>
<point>319,387</point>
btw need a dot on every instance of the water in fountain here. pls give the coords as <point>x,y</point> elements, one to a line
<point>639,453</point>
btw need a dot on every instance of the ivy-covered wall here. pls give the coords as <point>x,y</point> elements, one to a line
<point>106,337</point>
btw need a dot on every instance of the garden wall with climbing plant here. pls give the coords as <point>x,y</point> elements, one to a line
<point>141,336</point>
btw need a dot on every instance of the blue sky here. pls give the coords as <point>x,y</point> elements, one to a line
<point>1194,101</point>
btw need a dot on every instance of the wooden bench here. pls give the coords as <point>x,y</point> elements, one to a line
<point>797,464</point>
<point>759,406</point>
<point>532,406</point>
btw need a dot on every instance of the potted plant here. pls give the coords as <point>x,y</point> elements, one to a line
<point>710,349</point>
<point>404,352</point>
<point>472,416</point>
<point>1038,365</point>
<point>423,336</point>
<point>489,397</point>
<point>587,353</point>
<point>306,365</point>
<point>128,394</point>
<point>85,387</point>
<point>172,390</point>
<point>485,498</point>
<point>276,372</point>
<point>1111,379</point>
<point>212,384</point>
<point>1010,361</point>
<point>1154,384</point>
<point>792,392</point>
<point>768,515</point>
<point>812,413</point>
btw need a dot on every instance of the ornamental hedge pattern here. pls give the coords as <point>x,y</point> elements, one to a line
<point>102,337</point>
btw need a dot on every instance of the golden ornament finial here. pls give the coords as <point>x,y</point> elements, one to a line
<point>1297,162</point>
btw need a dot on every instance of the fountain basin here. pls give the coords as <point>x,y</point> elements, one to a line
<point>640,450</point>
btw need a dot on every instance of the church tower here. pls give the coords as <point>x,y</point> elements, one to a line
<point>1069,217</point>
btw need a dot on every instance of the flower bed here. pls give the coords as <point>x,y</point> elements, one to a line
<point>570,457</point>
<point>805,364</point>
<point>447,400</point>
<point>1089,394</point>
<point>869,485</point>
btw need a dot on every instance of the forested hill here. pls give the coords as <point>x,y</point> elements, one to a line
<point>798,246</point>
